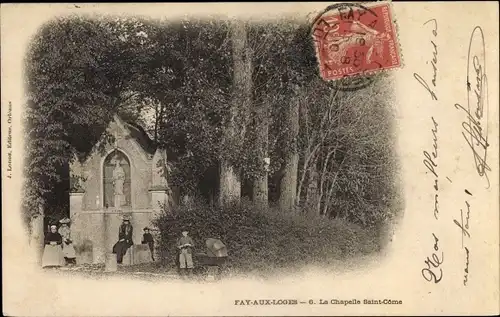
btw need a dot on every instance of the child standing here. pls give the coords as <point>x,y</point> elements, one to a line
<point>185,245</point>
<point>147,238</point>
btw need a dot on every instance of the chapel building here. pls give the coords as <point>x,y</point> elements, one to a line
<point>126,178</point>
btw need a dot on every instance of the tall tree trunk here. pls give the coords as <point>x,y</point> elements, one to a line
<point>288,184</point>
<point>37,235</point>
<point>309,159</point>
<point>230,182</point>
<point>323,178</point>
<point>315,144</point>
<point>312,191</point>
<point>260,186</point>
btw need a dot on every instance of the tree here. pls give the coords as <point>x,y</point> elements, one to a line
<point>195,101</point>
<point>73,89</point>
<point>234,131</point>
<point>195,85</point>
<point>260,185</point>
<point>281,64</point>
<point>319,143</point>
<point>56,84</point>
<point>266,49</point>
<point>346,153</point>
<point>299,68</point>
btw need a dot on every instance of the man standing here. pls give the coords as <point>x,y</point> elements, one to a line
<point>185,245</point>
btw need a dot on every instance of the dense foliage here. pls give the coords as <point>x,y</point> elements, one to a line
<point>265,240</point>
<point>175,79</point>
<point>81,72</point>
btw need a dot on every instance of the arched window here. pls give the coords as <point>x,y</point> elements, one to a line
<point>117,189</point>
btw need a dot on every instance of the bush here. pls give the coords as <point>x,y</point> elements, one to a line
<point>263,240</point>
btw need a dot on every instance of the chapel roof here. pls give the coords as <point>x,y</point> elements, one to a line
<point>136,132</point>
<point>140,135</point>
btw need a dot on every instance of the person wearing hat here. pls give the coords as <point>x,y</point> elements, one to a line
<point>67,245</point>
<point>124,240</point>
<point>52,253</point>
<point>185,244</point>
<point>147,238</point>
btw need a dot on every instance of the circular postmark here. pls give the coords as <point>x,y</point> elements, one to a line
<point>351,83</point>
<point>352,41</point>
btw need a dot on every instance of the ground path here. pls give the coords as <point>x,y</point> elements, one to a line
<point>156,271</point>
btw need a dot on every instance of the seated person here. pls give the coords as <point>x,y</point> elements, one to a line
<point>147,238</point>
<point>124,240</point>
<point>52,253</point>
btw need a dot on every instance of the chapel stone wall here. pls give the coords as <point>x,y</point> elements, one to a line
<point>91,221</point>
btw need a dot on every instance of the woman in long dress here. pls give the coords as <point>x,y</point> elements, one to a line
<point>52,253</point>
<point>124,240</point>
<point>67,245</point>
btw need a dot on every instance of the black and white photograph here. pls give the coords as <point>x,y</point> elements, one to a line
<point>267,159</point>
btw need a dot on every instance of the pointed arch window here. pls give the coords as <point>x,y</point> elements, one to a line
<point>117,180</point>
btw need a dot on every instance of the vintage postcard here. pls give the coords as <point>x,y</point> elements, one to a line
<point>250,159</point>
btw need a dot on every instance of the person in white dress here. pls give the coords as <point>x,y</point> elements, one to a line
<point>67,244</point>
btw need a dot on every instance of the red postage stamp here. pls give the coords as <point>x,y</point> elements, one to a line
<point>352,39</point>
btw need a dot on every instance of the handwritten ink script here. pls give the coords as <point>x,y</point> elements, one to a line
<point>475,133</point>
<point>475,128</point>
<point>432,270</point>
<point>463,225</point>
<point>432,23</point>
